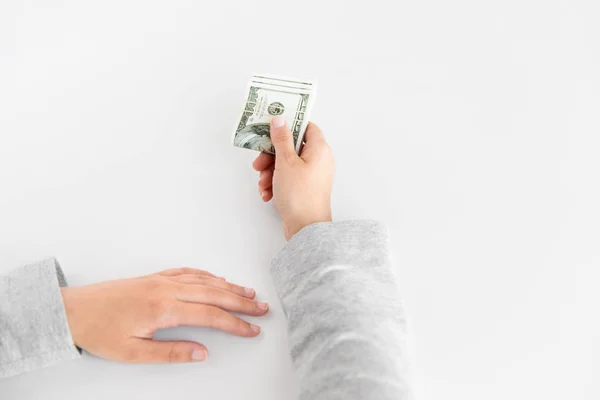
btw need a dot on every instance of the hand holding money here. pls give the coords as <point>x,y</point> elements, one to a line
<point>270,96</point>
<point>301,185</point>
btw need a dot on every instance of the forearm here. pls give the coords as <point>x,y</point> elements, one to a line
<point>33,326</point>
<point>345,320</point>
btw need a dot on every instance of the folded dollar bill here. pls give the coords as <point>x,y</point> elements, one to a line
<point>267,97</point>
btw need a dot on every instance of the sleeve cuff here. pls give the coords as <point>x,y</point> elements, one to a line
<point>33,321</point>
<point>363,244</point>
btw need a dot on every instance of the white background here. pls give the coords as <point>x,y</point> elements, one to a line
<point>470,127</point>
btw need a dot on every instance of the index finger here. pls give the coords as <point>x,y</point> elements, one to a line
<point>263,161</point>
<point>191,314</point>
<point>313,133</point>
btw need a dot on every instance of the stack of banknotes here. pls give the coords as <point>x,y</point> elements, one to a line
<point>267,97</point>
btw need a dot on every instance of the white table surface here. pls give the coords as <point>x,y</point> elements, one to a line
<point>471,128</point>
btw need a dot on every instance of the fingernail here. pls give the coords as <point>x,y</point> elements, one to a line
<point>262,194</point>
<point>248,291</point>
<point>278,121</point>
<point>199,355</point>
<point>263,306</point>
<point>255,329</point>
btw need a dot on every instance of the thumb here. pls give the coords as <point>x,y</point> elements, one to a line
<point>282,139</point>
<point>146,351</point>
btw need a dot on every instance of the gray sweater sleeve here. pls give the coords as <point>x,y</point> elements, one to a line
<point>34,332</point>
<point>346,326</point>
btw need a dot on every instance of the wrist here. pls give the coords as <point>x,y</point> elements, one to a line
<point>291,228</point>
<point>68,302</point>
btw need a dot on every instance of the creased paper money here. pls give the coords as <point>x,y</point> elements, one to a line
<point>267,97</point>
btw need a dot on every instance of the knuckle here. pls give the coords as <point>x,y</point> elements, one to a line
<point>159,305</point>
<point>288,157</point>
<point>159,301</point>
<point>248,305</point>
<point>172,271</point>
<point>227,286</point>
<point>279,135</point>
<point>236,288</point>
<point>152,284</point>
<point>185,270</point>
<point>165,313</point>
